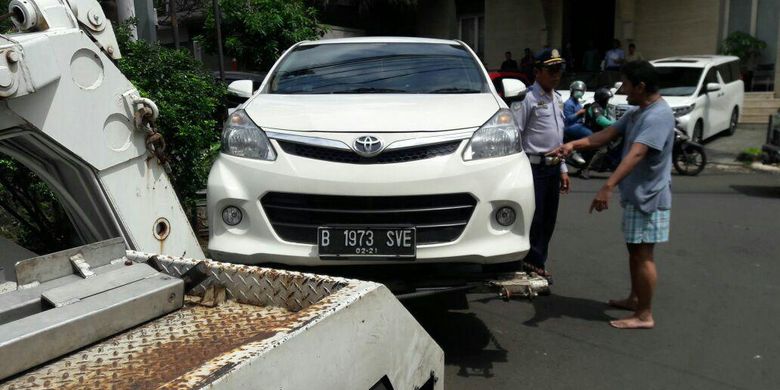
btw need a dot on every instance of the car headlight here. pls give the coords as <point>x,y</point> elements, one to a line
<point>684,110</point>
<point>496,138</point>
<point>242,138</point>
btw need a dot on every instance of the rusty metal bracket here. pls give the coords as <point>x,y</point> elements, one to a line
<point>520,285</point>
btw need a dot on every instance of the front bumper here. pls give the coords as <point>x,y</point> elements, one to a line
<point>494,183</point>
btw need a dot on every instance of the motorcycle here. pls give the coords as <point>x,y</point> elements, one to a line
<point>688,157</point>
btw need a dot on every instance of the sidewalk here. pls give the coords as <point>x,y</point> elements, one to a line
<point>723,150</point>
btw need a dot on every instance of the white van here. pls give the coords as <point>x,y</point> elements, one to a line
<point>705,92</point>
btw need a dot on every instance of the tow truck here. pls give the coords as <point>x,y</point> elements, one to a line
<point>139,306</point>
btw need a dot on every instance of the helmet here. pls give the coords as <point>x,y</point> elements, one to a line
<point>602,96</point>
<point>577,89</point>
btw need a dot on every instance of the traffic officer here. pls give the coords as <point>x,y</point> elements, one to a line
<point>540,119</point>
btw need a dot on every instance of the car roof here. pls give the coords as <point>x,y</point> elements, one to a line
<point>382,40</point>
<point>695,61</point>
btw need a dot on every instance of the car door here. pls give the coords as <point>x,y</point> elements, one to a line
<point>713,104</point>
<point>734,89</point>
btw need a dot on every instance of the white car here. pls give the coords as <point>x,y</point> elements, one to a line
<point>372,151</point>
<point>705,92</point>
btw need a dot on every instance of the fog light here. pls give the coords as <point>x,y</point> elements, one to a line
<point>505,216</point>
<point>232,215</point>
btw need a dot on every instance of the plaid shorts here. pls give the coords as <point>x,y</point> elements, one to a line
<point>639,227</point>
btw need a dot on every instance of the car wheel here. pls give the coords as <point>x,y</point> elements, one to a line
<point>733,122</point>
<point>698,132</point>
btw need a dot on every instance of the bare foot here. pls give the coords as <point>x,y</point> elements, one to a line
<point>625,304</point>
<point>633,322</point>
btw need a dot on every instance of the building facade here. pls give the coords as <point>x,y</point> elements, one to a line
<point>659,28</point>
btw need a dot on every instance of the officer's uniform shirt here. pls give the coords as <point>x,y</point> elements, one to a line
<point>540,119</point>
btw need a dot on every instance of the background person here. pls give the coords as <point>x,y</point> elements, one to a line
<point>509,64</point>
<point>633,55</point>
<point>615,57</point>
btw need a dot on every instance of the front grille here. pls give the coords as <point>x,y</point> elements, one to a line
<point>438,218</point>
<point>388,157</point>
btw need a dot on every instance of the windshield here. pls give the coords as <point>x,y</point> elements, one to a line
<point>678,81</point>
<point>378,68</point>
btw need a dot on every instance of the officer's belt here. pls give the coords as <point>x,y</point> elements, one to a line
<point>537,159</point>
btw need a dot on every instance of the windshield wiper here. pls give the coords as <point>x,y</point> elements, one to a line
<point>455,90</point>
<point>371,90</point>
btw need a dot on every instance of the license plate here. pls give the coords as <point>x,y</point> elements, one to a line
<point>370,241</point>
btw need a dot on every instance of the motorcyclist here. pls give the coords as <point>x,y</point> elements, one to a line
<point>597,118</point>
<point>574,125</point>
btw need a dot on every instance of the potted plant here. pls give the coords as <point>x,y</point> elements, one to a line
<point>745,46</point>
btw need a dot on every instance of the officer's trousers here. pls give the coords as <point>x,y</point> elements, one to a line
<point>547,186</point>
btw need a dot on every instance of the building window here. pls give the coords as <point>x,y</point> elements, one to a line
<point>472,32</point>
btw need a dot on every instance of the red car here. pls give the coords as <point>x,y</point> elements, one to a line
<point>496,76</point>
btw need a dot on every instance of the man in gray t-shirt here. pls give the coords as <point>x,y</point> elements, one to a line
<point>648,186</point>
<point>644,178</point>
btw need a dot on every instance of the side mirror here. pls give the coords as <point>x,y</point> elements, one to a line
<point>241,88</point>
<point>713,87</point>
<point>514,90</point>
<point>616,88</point>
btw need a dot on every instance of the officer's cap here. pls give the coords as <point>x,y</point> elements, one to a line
<point>549,58</point>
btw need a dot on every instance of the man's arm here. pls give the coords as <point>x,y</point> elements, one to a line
<point>594,141</point>
<point>637,152</point>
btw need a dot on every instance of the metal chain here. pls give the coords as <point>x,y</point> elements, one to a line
<point>145,119</point>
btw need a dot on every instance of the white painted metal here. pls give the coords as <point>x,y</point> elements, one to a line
<point>278,329</point>
<point>88,122</point>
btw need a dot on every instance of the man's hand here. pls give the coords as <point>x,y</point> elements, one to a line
<point>565,183</point>
<point>601,201</point>
<point>562,151</point>
<point>581,112</point>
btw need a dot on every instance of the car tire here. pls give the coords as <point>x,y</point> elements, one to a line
<point>698,132</point>
<point>733,122</point>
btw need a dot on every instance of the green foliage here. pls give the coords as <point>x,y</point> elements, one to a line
<point>742,45</point>
<point>29,212</point>
<point>190,103</point>
<point>256,32</point>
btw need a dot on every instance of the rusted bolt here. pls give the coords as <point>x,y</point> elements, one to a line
<point>12,56</point>
<point>171,297</point>
<point>128,262</point>
<point>110,50</point>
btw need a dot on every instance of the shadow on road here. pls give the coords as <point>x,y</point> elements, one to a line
<point>558,306</point>
<point>758,191</point>
<point>466,340</point>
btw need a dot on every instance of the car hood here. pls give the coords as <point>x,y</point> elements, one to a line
<point>372,112</point>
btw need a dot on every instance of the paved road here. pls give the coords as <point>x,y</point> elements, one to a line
<point>716,306</point>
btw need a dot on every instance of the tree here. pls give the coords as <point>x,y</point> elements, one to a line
<point>190,100</point>
<point>743,45</point>
<point>256,32</point>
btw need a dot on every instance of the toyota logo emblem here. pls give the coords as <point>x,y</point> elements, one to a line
<point>367,146</point>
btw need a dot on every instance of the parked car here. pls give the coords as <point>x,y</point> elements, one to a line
<point>368,151</point>
<point>705,92</point>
